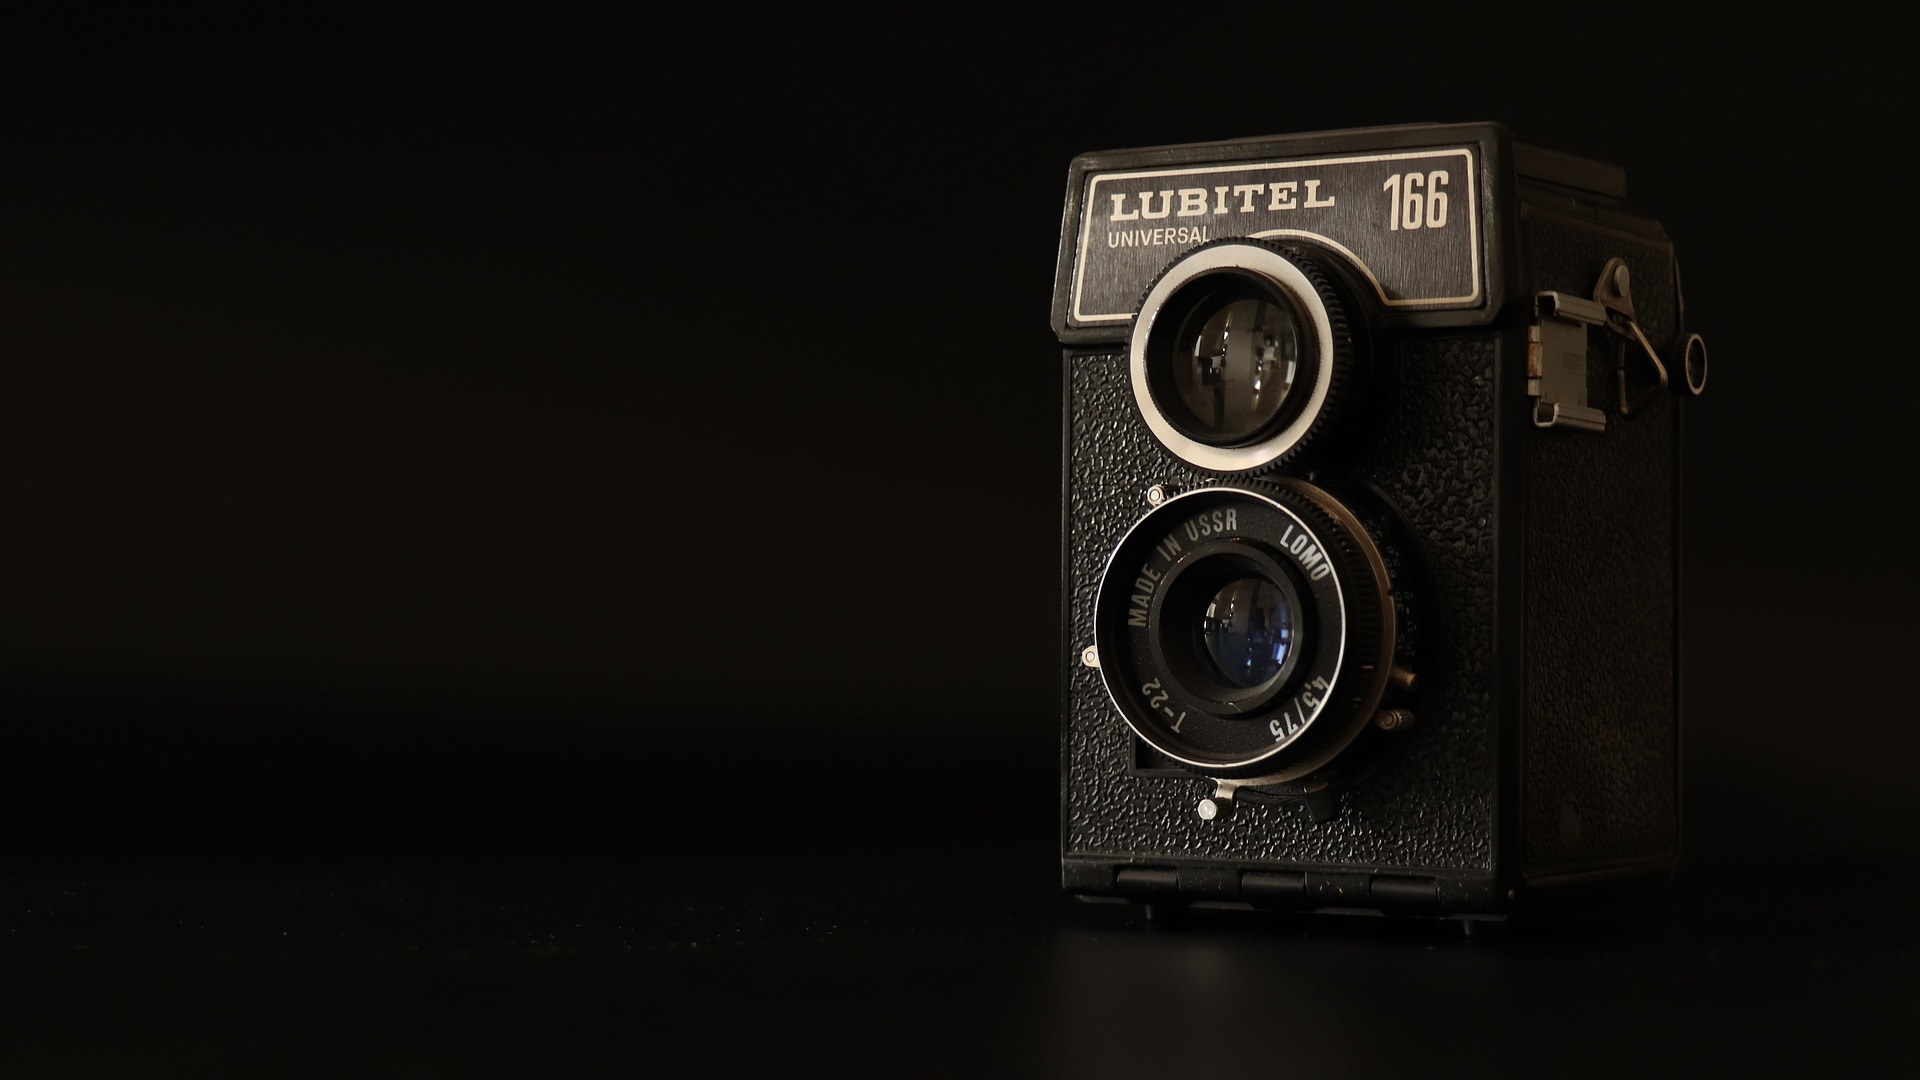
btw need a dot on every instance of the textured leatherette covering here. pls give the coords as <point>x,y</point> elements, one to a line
<point>1430,804</point>
<point>1599,735</point>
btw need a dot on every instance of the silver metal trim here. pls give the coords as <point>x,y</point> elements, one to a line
<point>1284,276</point>
<point>1578,417</point>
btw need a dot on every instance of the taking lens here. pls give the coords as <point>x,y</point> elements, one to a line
<point>1247,631</point>
<point>1233,363</point>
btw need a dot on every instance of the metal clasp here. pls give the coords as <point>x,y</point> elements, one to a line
<point>1557,353</point>
<point>1557,361</point>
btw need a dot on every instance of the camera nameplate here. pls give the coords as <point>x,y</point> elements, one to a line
<point>1379,210</point>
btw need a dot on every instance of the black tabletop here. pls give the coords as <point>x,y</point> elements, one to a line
<point>610,928</point>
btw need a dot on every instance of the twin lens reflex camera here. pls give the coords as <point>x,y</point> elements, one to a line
<point>1371,533</point>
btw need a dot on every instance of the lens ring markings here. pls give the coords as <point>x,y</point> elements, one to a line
<point>1166,681</point>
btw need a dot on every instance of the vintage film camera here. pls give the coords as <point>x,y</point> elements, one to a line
<point>1371,533</point>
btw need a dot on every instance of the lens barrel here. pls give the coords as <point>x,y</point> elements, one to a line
<point>1244,352</point>
<point>1247,630</point>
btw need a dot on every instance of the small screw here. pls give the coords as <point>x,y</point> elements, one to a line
<point>1214,809</point>
<point>1393,719</point>
<point>1621,280</point>
<point>1090,656</point>
<point>1156,495</point>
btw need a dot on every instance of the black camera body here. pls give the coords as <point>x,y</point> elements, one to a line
<point>1371,530</point>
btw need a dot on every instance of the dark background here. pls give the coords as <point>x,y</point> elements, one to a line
<point>497,510</point>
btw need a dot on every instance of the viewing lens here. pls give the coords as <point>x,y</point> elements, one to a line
<point>1233,364</point>
<point>1248,630</point>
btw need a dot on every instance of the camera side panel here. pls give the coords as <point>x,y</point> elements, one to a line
<point>1600,728</point>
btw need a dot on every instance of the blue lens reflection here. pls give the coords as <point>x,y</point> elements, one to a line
<point>1248,629</point>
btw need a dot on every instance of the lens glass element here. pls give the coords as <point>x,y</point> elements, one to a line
<point>1248,630</point>
<point>1234,369</point>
